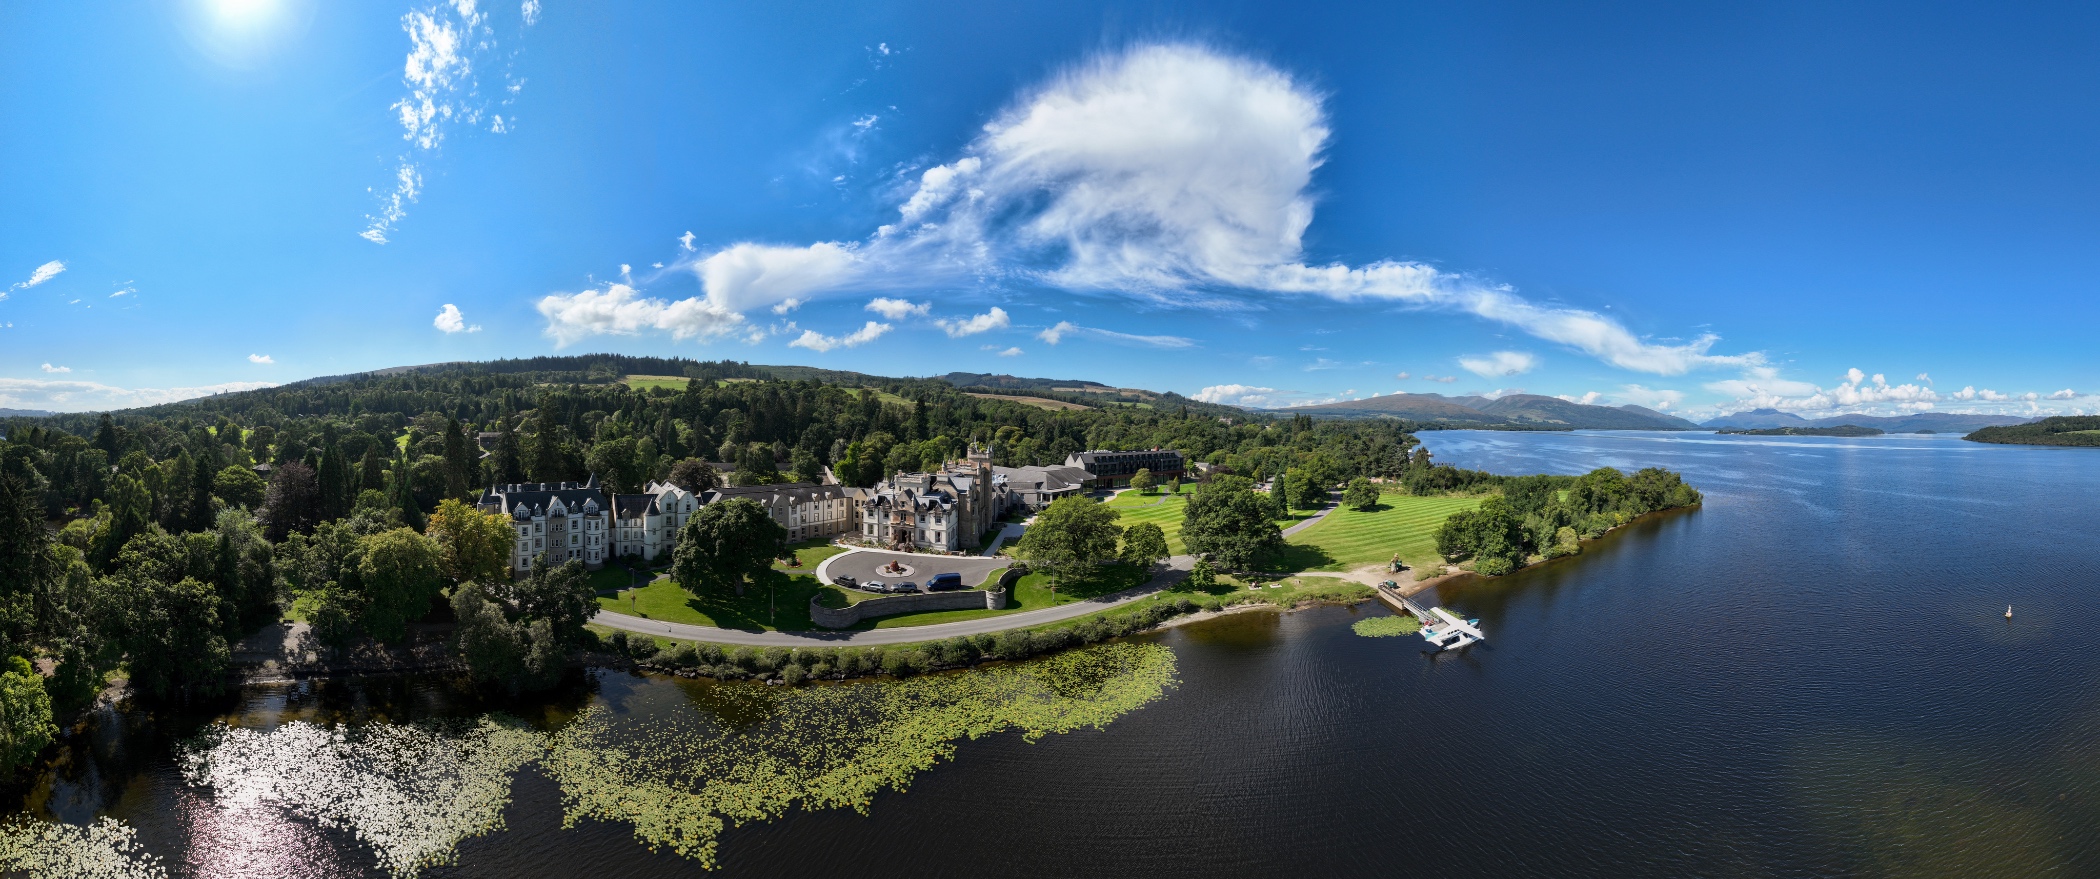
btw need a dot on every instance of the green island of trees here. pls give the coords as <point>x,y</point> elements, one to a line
<point>2061,430</point>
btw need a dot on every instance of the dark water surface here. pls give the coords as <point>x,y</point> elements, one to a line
<point>1809,676</point>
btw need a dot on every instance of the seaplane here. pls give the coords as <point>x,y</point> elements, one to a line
<point>1444,629</point>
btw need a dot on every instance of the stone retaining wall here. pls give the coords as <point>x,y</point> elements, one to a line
<point>841,617</point>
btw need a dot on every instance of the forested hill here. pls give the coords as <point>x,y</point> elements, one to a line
<point>2062,430</point>
<point>629,420</point>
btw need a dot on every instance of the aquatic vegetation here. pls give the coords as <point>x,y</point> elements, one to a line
<point>106,849</point>
<point>410,791</point>
<point>1387,627</point>
<point>681,780</point>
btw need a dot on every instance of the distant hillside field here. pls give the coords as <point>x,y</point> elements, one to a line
<point>2062,430</point>
<point>1038,402</point>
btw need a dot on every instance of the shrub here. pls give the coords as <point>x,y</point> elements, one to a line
<point>681,656</point>
<point>725,672</point>
<point>617,643</point>
<point>821,670</point>
<point>710,654</point>
<point>793,674</point>
<point>772,658</point>
<point>899,663</point>
<point>744,658</point>
<point>1493,566</point>
<point>853,662</point>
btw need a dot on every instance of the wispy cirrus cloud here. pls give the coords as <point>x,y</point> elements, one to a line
<point>1064,328</point>
<point>1500,364</point>
<point>38,275</point>
<point>1175,173</point>
<point>447,43</point>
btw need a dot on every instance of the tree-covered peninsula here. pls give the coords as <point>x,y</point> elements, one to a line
<point>2062,430</point>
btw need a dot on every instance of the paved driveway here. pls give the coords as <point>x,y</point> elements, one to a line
<point>1176,568</point>
<point>861,564</point>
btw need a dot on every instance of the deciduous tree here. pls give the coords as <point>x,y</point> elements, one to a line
<point>1229,522</point>
<point>1071,536</point>
<point>726,544</point>
<point>1361,494</point>
<point>1144,544</point>
<point>474,544</point>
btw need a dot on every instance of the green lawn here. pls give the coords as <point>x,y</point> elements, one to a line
<point>788,608</point>
<point>1137,508</point>
<point>1348,538</point>
<point>650,382</point>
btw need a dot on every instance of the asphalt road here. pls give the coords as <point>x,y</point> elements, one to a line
<point>1175,569</point>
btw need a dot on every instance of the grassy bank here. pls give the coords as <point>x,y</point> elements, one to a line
<point>1350,538</point>
<point>783,607</point>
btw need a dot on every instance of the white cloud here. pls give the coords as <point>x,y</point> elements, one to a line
<point>2065,394</point>
<point>124,292</point>
<point>1056,334</point>
<point>787,305</point>
<point>49,368</point>
<point>1924,377</point>
<point>1180,174</point>
<point>1011,352</point>
<point>685,242</point>
<point>39,275</point>
<point>446,42</point>
<point>866,122</point>
<point>1857,392</point>
<point>67,395</point>
<point>1499,364</point>
<point>1403,376</point>
<point>1659,399</point>
<point>1441,379</point>
<point>618,310</point>
<point>450,320</point>
<point>821,343</point>
<point>261,358</point>
<point>1235,395</point>
<point>960,327</point>
<point>746,276</point>
<point>898,309</point>
<point>1587,399</point>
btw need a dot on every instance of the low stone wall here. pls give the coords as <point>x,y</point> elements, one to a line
<point>841,617</point>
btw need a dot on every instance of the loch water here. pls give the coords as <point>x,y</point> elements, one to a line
<point>1809,675</point>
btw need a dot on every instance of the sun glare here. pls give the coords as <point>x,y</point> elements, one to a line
<point>241,10</point>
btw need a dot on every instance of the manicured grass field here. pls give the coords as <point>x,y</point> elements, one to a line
<point>788,610</point>
<point>649,382</point>
<point>1140,508</point>
<point>1348,538</point>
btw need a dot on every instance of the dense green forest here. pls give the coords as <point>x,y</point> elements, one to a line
<point>2062,430</point>
<point>152,540</point>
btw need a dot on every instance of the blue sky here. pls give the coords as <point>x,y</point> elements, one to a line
<point>1819,207</point>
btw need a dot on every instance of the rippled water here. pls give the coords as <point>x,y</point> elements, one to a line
<point>1809,676</point>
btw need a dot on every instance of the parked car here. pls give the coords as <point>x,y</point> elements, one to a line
<point>848,582</point>
<point>907,586</point>
<point>941,582</point>
<point>875,586</point>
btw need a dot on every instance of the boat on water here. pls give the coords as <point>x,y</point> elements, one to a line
<point>1448,632</point>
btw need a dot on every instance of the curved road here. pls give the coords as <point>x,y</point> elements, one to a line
<point>1177,568</point>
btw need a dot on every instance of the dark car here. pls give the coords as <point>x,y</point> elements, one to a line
<point>941,582</point>
<point>843,580</point>
<point>906,586</point>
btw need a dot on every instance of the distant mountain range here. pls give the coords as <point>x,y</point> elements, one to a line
<point>1922,422</point>
<point>1514,410</point>
<point>23,413</point>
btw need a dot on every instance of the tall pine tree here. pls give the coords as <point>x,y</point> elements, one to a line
<point>459,463</point>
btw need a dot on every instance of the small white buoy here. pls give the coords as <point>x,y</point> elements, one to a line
<point>2008,611</point>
